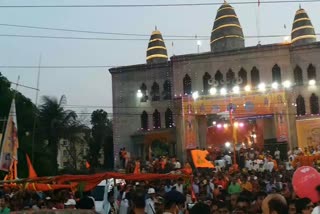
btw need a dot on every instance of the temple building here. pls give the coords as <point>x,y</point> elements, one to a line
<point>263,96</point>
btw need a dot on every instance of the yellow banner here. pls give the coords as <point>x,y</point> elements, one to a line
<point>308,131</point>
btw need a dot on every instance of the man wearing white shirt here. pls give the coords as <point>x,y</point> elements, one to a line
<point>277,155</point>
<point>177,165</point>
<point>149,208</point>
<point>228,160</point>
<point>179,185</point>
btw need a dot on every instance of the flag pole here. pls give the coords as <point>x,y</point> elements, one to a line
<point>36,103</point>
<point>258,23</point>
<point>14,174</point>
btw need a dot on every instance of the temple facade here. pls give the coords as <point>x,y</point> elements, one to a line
<point>263,96</point>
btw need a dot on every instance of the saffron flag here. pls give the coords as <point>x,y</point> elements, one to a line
<point>87,165</point>
<point>32,172</point>
<point>199,159</point>
<point>9,150</point>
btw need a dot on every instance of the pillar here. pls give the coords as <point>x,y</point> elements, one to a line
<point>202,131</point>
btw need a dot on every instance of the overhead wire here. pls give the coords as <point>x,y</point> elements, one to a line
<point>124,34</point>
<point>181,38</point>
<point>153,5</point>
<point>90,31</point>
<point>178,60</point>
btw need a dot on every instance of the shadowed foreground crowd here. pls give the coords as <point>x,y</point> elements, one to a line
<point>208,192</point>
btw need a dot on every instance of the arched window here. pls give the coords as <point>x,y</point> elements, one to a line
<point>144,121</point>
<point>298,76</point>
<point>156,119</point>
<point>312,75</point>
<point>255,77</point>
<point>206,77</point>
<point>167,90</point>
<point>218,77</point>
<point>143,89</point>
<point>314,104</point>
<point>230,77</point>
<point>155,92</point>
<point>276,73</point>
<point>168,118</point>
<point>301,107</point>
<point>243,75</point>
<point>187,86</point>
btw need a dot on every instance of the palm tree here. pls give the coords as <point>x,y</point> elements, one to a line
<point>56,123</point>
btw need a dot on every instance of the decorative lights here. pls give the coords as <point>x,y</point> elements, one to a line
<point>139,94</point>
<point>312,82</point>
<point>286,84</point>
<point>236,124</point>
<point>275,85</point>
<point>262,87</point>
<point>247,88</point>
<point>227,144</point>
<point>213,91</point>
<point>219,126</point>
<point>195,95</point>
<point>236,89</point>
<point>223,91</point>
<point>225,125</point>
<point>286,39</point>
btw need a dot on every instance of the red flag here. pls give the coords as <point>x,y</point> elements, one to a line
<point>32,172</point>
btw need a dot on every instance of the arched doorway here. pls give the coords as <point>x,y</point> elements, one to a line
<point>159,148</point>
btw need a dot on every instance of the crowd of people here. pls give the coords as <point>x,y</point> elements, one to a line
<point>215,193</point>
<point>261,184</point>
<point>246,158</point>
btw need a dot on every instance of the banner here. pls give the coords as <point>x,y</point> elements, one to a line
<point>9,150</point>
<point>282,127</point>
<point>190,132</point>
<point>199,159</point>
<point>242,106</point>
<point>308,132</point>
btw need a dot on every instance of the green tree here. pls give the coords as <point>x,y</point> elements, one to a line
<point>74,133</point>
<point>55,124</point>
<point>101,138</point>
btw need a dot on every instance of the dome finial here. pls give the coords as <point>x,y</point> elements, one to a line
<point>157,51</point>
<point>302,29</point>
<point>226,33</point>
<point>155,28</point>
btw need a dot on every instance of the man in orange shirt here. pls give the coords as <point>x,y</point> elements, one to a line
<point>246,185</point>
